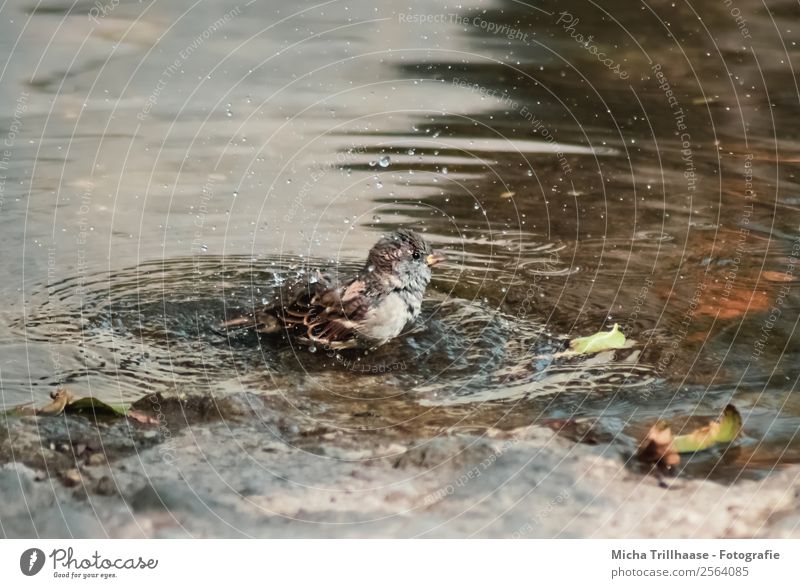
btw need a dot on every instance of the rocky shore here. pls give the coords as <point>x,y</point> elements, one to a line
<point>236,466</point>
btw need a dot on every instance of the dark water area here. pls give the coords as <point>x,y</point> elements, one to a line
<point>167,164</point>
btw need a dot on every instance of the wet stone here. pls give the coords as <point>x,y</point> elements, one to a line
<point>447,452</point>
<point>176,411</point>
<point>105,486</point>
<point>20,491</point>
<point>169,497</point>
<point>71,477</point>
<point>62,442</point>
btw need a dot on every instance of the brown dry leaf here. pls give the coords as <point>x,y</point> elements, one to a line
<point>61,398</point>
<point>657,446</point>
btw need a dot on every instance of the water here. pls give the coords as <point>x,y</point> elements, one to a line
<point>174,168</point>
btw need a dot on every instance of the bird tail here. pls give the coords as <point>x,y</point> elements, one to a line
<point>260,322</point>
<point>238,324</point>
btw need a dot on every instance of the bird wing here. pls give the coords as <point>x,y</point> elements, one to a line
<point>333,315</point>
<point>321,312</point>
<point>291,307</point>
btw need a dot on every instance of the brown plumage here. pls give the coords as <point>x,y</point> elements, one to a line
<point>367,310</point>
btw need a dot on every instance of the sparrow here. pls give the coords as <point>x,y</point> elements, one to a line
<point>364,311</point>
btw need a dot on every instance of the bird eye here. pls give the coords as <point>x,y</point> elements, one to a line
<point>416,255</point>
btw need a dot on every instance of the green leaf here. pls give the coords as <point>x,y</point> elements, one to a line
<point>93,406</point>
<point>723,430</point>
<point>63,401</point>
<point>602,341</point>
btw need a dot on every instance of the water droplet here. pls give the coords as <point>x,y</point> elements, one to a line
<point>444,170</point>
<point>384,161</point>
<point>378,185</point>
<point>530,173</point>
<point>312,348</point>
<point>235,193</point>
<point>412,151</point>
<point>376,218</point>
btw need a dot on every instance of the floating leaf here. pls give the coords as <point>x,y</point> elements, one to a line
<point>93,406</point>
<point>64,402</point>
<point>660,446</point>
<point>723,430</point>
<point>602,341</point>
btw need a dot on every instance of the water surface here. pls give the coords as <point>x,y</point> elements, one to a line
<point>169,163</point>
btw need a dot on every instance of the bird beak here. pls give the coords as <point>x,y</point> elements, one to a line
<point>435,258</point>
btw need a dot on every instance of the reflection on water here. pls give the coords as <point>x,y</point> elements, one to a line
<point>169,164</point>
